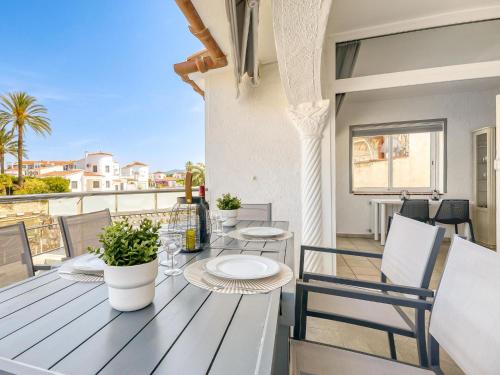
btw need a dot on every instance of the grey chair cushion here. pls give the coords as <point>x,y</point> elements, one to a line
<point>307,358</point>
<point>358,309</point>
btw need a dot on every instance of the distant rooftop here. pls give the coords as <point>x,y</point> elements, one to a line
<point>60,173</point>
<point>46,162</point>
<point>135,163</point>
<point>99,153</point>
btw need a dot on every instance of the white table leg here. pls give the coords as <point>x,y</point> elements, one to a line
<point>383,218</point>
<point>375,220</point>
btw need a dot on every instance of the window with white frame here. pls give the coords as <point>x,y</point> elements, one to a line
<point>74,184</point>
<point>95,184</point>
<point>94,168</point>
<point>396,156</point>
<point>108,184</point>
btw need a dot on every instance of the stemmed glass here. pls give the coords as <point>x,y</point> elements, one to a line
<point>163,255</point>
<point>172,244</point>
<point>216,223</point>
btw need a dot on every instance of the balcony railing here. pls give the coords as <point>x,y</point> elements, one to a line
<point>40,212</point>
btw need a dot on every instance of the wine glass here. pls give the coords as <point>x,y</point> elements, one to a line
<point>173,245</point>
<point>165,256</point>
<point>216,223</point>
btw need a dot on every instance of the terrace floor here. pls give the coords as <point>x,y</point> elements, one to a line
<point>366,339</point>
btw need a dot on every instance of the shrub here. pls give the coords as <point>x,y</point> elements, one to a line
<point>33,186</point>
<point>57,184</point>
<point>124,245</point>
<point>227,202</point>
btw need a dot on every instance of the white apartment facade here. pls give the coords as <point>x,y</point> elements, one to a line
<point>136,175</point>
<point>96,171</point>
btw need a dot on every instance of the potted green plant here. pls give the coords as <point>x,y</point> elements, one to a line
<point>228,206</point>
<point>130,255</point>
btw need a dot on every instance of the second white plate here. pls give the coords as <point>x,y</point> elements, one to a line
<point>262,232</point>
<point>242,267</point>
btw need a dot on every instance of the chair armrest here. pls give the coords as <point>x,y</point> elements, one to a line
<point>42,267</point>
<point>421,292</point>
<point>304,288</point>
<point>328,250</point>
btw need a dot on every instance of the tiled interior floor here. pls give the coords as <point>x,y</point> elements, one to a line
<point>366,339</point>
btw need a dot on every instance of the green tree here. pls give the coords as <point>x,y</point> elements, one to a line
<point>8,146</point>
<point>57,184</point>
<point>198,174</point>
<point>189,166</point>
<point>22,112</point>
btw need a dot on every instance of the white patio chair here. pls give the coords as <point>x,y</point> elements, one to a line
<point>464,322</point>
<point>408,260</point>
<point>256,211</point>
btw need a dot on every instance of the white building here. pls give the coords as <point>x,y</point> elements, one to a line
<point>136,175</point>
<point>101,170</point>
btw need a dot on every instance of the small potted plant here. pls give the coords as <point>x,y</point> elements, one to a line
<point>228,206</point>
<point>131,261</point>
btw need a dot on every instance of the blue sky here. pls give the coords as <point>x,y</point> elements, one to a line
<point>103,69</point>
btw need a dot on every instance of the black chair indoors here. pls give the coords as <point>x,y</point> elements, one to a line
<point>454,211</point>
<point>416,209</point>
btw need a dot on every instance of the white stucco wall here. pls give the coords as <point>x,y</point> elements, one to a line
<point>252,148</point>
<point>465,112</point>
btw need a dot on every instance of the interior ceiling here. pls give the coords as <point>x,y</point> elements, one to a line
<point>348,15</point>
<point>443,88</point>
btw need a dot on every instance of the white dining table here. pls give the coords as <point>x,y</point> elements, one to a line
<point>380,215</point>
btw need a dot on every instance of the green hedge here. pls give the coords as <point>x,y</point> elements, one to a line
<point>33,185</point>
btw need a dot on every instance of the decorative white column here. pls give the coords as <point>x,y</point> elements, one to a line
<point>310,119</point>
<point>299,34</point>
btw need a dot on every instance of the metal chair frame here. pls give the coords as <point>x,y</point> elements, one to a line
<point>268,206</point>
<point>468,221</point>
<point>65,231</point>
<point>417,329</point>
<point>26,256</point>
<point>407,202</point>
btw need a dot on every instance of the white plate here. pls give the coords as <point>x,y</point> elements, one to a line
<point>261,232</point>
<point>242,267</point>
<point>88,263</point>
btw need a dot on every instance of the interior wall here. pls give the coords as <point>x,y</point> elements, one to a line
<point>252,148</point>
<point>450,45</point>
<point>465,112</point>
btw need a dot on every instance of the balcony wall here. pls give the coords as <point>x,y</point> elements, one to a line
<point>40,212</point>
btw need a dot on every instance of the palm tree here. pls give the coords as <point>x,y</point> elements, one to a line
<point>22,112</point>
<point>198,174</point>
<point>8,146</point>
<point>189,166</point>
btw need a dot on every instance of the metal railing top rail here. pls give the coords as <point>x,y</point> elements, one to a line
<point>33,197</point>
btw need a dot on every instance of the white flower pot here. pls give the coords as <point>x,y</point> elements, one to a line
<point>229,217</point>
<point>131,288</point>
